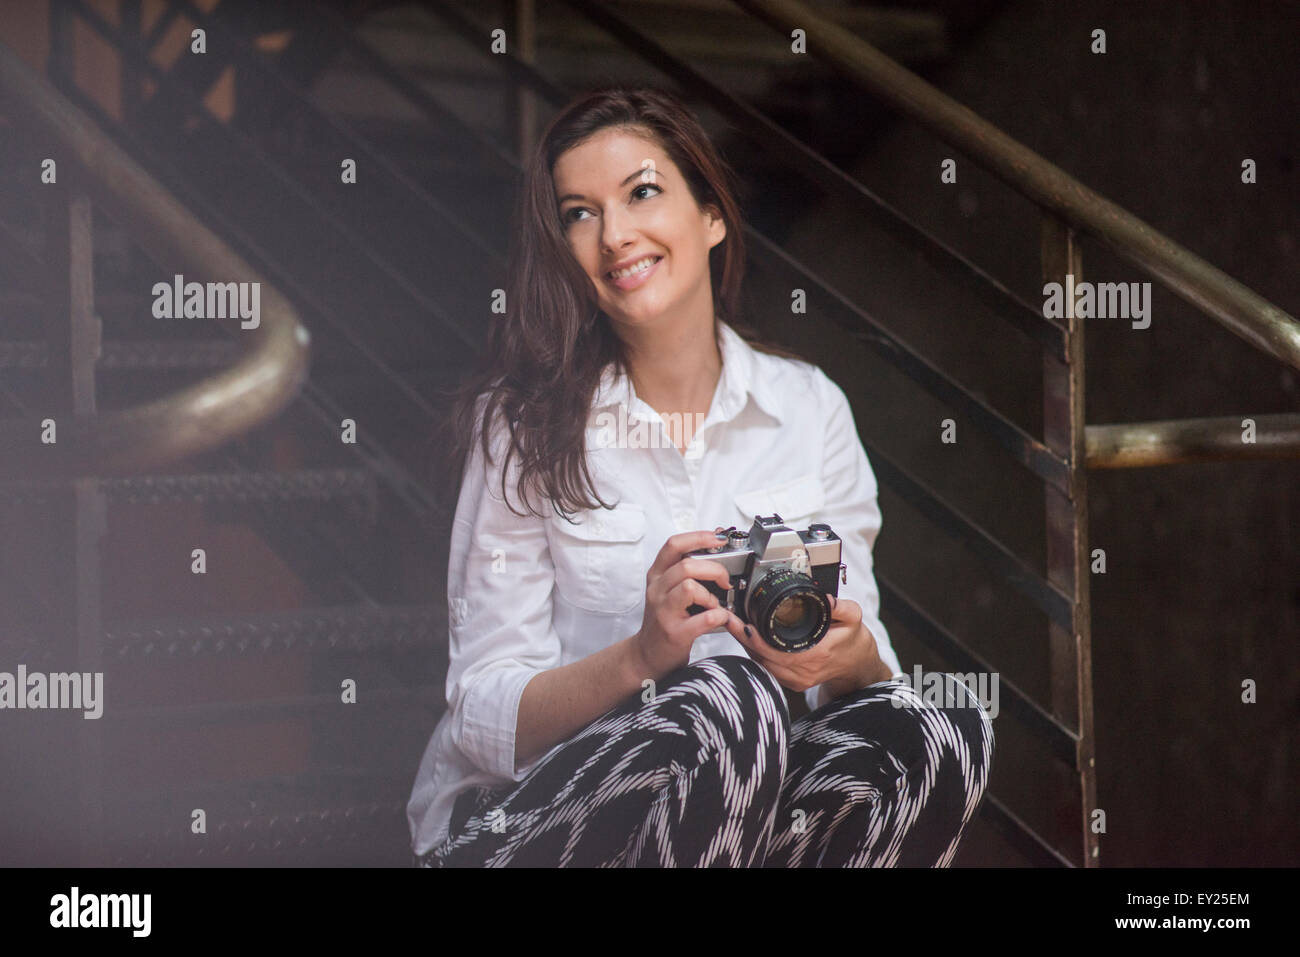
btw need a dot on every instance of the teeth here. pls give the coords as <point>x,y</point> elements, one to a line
<point>635,268</point>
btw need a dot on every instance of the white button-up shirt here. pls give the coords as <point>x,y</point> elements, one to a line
<point>530,594</point>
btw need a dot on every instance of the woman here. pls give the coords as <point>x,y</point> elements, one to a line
<point>592,719</point>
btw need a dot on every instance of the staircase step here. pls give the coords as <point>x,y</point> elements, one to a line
<point>204,714</point>
<point>335,628</point>
<point>309,485</point>
<point>703,31</point>
<point>133,355</point>
<point>297,485</point>
<point>281,820</point>
<point>374,832</point>
<point>713,35</point>
<point>284,836</point>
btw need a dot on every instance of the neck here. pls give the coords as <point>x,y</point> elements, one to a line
<point>677,370</point>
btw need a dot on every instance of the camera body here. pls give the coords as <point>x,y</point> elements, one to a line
<point>781,579</point>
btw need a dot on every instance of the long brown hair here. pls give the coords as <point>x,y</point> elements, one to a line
<point>545,355</point>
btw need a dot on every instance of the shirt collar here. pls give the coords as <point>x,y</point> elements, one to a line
<point>741,378</point>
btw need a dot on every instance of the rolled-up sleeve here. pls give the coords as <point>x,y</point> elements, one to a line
<point>499,583</point>
<point>853,513</point>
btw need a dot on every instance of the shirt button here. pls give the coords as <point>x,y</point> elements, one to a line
<point>600,527</point>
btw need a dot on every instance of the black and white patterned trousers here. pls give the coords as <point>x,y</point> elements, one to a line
<point>712,773</point>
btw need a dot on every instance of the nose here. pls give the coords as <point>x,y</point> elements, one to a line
<point>617,229</point>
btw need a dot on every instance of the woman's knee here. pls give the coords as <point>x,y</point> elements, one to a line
<point>968,714</point>
<point>969,726</point>
<point>973,717</point>
<point>921,724</point>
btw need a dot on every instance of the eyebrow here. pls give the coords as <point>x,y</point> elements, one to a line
<point>656,171</point>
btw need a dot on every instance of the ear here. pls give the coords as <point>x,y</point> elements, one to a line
<point>717,225</point>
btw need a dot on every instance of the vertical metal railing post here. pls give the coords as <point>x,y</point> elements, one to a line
<point>73,334</point>
<point>1064,431</point>
<point>523,102</point>
<point>91,526</point>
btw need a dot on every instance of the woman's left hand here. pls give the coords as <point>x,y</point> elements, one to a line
<point>845,660</point>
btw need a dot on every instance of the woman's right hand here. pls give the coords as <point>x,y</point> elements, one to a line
<point>667,629</point>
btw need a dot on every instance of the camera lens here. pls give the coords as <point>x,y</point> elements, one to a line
<point>790,611</point>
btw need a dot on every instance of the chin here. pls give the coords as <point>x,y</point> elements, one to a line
<point>637,319</point>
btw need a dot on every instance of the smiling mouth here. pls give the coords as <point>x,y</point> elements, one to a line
<point>634,279</point>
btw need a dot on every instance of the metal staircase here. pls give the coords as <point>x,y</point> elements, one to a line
<point>250,727</point>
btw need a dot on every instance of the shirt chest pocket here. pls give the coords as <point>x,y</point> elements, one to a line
<point>798,501</point>
<point>599,561</point>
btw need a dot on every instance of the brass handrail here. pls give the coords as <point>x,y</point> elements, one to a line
<point>192,420</point>
<point>1223,298</point>
<point>1137,444</point>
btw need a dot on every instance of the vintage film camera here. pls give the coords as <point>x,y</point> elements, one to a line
<point>781,580</point>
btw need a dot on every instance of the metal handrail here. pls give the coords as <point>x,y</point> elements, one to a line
<point>1233,305</point>
<point>192,420</point>
<point>1136,444</point>
<point>1224,299</point>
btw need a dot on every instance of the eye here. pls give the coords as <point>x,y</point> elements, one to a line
<point>568,218</point>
